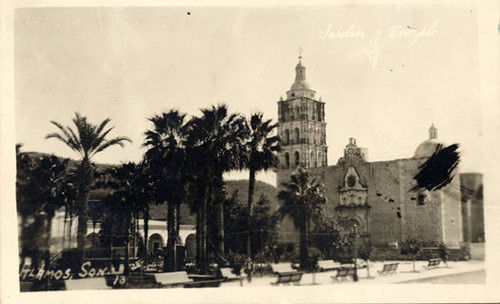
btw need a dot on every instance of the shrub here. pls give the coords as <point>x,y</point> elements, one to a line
<point>444,252</point>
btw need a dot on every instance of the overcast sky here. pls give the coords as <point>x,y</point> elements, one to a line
<point>381,84</point>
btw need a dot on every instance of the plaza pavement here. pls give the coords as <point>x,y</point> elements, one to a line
<point>404,274</point>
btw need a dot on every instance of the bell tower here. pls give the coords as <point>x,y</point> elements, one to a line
<point>302,127</point>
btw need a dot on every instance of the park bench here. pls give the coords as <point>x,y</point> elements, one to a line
<point>328,265</point>
<point>343,274</point>
<point>389,269</point>
<point>286,275</point>
<point>277,268</point>
<point>433,264</point>
<point>172,279</point>
<point>227,275</point>
<point>88,283</point>
<point>287,278</point>
<point>182,279</point>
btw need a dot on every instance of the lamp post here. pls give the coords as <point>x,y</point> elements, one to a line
<point>355,276</point>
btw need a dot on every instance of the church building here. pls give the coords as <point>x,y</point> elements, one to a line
<point>376,196</point>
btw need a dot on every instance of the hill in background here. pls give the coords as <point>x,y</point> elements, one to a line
<point>159,212</point>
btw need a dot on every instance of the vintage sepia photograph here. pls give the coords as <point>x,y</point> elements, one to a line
<point>244,147</point>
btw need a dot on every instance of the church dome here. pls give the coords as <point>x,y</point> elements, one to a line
<point>300,85</point>
<point>429,146</point>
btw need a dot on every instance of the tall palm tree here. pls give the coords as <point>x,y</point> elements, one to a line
<point>166,159</point>
<point>302,198</point>
<point>216,141</point>
<point>87,140</point>
<point>261,148</point>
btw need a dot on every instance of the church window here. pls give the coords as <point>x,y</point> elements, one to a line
<point>421,200</point>
<point>293,94</point>
<point>319,113</point>
<point>297,159</point>
<point>320,160</point>
<point>287,137</point>
<point>351,181</point>
<point>296,135</point>
<point>287,160</point>
<point>313,160</point>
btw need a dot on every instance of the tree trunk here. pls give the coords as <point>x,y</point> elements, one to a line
<point>219,211</point>
<point>198,235</point>
<point>126,268</point>
<point>251,188</point>
<point>83,194</point>
<point>82,223</point>
<point>69,230</point>
<point>64,227</point>
<point>203,233</point>
<point>303,242</point>
<point>170,258</point>
<point>47,240</point>
<point>146,228</point>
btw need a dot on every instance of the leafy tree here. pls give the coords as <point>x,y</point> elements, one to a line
<point>302,198</point>
<point>167,163</point>
<point>236,225</point>
<point>131,196</point>
<point>444,252</point>
<point>26,206</point>
<point>87,140</point>
<point>41,190</point>
<point>49,177</point>
<point>261,148</point>
<point>411,247</point>
<point>330,236</point>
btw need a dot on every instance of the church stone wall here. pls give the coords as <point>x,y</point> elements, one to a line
<point>389,193</point>
<point>452,215</point>
<point>421,220</point>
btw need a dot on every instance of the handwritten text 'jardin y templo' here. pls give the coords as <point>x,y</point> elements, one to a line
<point>412,34</point>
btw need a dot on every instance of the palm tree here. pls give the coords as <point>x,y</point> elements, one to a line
<point>166,159</point>
<point>87,140</point>
<point>302,198</point>
<point>260,156</point>
<point>216,141</point>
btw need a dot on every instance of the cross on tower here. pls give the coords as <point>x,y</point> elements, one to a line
<point>300,53</point>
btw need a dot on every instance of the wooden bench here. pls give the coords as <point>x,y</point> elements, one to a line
<point>433,264</point>
<point>389,269</point>
<point>328,265</point>
<point>287,278</point>
<point>172,279</point>
<point>182,279</point>
<point>227,275</point>
<point>277,268</point>
<point>343,274</point>
<point>86,284</point>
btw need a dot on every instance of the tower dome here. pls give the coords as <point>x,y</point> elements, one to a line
<point>429,146</point>
<point>300,87</point>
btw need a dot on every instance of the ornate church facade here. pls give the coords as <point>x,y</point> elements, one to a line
<point>376,196</point>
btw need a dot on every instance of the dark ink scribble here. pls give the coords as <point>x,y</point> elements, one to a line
<point>437,171</point>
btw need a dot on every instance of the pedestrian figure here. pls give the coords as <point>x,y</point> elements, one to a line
<point>249,268</point>
<point>116,260</point>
